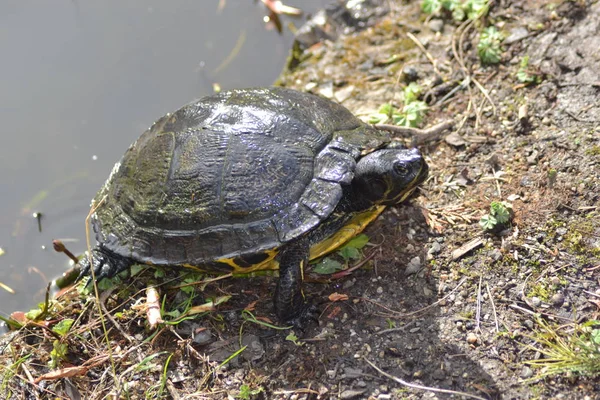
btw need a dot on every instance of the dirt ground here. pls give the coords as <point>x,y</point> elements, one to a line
<point>440,302</point>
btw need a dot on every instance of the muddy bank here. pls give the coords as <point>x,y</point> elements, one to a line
<point>441,302</point>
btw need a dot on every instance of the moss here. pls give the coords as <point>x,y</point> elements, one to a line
<point>593,151</point>
<point>540,290</point>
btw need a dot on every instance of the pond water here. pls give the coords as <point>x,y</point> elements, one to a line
<point>80,81</point>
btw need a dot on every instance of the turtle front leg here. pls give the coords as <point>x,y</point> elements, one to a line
<point>291,306</point>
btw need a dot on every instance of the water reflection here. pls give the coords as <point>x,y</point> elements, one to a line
<point>79,82</point>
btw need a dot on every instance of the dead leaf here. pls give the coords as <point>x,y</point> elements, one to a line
<point>62,373</point>
<point>333,297</point>
<point>335,311</point>
<point>251,306</point>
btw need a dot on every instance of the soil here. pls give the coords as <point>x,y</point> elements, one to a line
<point>440,302</point>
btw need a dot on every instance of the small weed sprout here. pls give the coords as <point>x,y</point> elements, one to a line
<point>247,393</point>
<point>552,175</point>
<point>294,339</point>
<point>412,113</point>
<point>525,75</point>
<point>500,214</point>
<point>349,251</point>
<point>460,9</point>
<point>488,48</point>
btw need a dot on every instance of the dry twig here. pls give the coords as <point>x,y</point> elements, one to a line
<point>420,387</point>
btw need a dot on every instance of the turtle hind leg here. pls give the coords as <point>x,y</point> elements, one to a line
<point>291,306</point>
<point>104,264</point>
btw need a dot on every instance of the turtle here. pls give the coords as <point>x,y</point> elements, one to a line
<point>245,180</point>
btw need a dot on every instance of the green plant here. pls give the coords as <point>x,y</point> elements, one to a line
<point>525,75</point>
<point>246,392</point>
<point>471,9</point>
<point>294,339</point>
<point>574,352</point>
<point>500,214</point>
<point>58,353</point>
<point>488,47</point>
<point>412,112</point>
<point>350,251</point>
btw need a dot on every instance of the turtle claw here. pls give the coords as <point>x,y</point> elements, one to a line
<point>308,316</point>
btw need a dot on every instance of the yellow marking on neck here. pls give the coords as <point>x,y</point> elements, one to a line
<point>350,230</point>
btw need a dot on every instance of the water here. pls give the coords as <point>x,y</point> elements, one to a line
<point>80,81</point>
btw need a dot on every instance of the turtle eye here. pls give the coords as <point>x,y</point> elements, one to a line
<point>400,168</point>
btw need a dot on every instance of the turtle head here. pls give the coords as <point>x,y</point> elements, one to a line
<point>388,176</point>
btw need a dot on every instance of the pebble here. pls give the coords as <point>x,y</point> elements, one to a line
<point>413,266</point>
<point>526,372</point>
<point>516,34</point>
<point>410,74</point>
<point>438,375</point>
<point>496,254</point>
<point>436,25</point>
<point>379,290</point>
<point>535,301</point>
<point>557,299</point>
<point>471,338</point>
<point>203,337</point>
<point>435,248</point>
<point>351,394</point>
<point>348,284</point>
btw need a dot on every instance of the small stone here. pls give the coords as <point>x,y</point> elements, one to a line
<point>516,34</point>
<point>454,139</point>
<point>344,94</point>
<point>326,90</point>
<point>496,254</point>
<point>561,231</point>
<point>379,290</point>
<point>413,266</point>
<point>348,284</point>
<point>528,324</point>
<point>352,373</point>
<point>555,280</point>
<point>351,394</point>
<point>557,300</point>
<point>526,373</point>
<point>472,338</point>
<point>410,74</point>
<point>254,348</point>
<point>331,373</point>
<point>533,157</point>
<point>435,248</point>
<point>438,375</point>
<point>436,25</point>
<point>535,301</point>
<point>203,337</point>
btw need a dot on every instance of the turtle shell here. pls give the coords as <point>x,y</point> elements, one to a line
<point>235,174</point>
